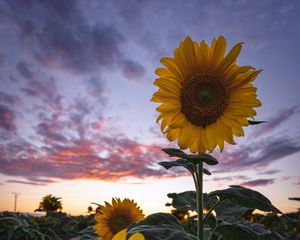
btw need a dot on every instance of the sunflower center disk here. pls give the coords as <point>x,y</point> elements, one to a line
<point>119,223</point>
<point>203,99</point>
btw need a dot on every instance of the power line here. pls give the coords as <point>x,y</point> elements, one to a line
<point>16,198</point>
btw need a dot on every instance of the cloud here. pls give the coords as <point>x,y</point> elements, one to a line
<point>2,59</point>
<point>277,120</point>
<point>270,172</point>
<point>74,146</point>
<point>81,160</point>
<point>27,182</point>
<point>8,99</point>
<point>258,182</point>
<point>133,70</point>
<point>60,37</point>
<point>7,119</point>
<point>257,155</point>
<point>40,85</point>
<point>260,150</point>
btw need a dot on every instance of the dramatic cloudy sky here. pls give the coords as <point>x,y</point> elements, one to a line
<point>75,82</point>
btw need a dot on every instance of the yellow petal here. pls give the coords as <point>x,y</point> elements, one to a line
<point>185,136</point>
<point>225,132</point>
<point>199,64</point>
<point>230,58</point>
<point>244,79</point>
<point>237,129</point>
<point>168,107</point>
<point>172,66</point>
<point>120,235</point>
<point>219,51</point>
<point>166,73</point>
<point>204,50</point>
<point>190,54</point>
<point>180,59</point>
<point>137,236</point>
<point>172,134</point>
<point>231,74</point>
<point>178,121</point>
<point>210,136</point>
<point>165,82</point>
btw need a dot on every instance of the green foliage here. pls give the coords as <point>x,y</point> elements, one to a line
<point>227,209</point>
<point>246,197</point>
<point>179,163</point>
<point>187,164</point>
<point>233,216</point>
<point>18,227</point>
<point>160,226</point>
<point>194,158</point>
<point>235,231</point>
<point>56,227</point>
<point>184,200</point>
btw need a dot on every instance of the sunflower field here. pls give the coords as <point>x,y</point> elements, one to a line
<point>205,100</point>
<point>235,220</point>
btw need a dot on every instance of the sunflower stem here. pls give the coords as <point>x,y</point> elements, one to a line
<point>199,200</point>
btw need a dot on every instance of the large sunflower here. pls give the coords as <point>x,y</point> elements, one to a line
<point>116,216</point>
<point>206,98</point>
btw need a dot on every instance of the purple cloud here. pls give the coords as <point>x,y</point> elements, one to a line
<point>270,172</point>
<point>40,86</point>
<point>2,59</point>
<point>7,119</point>
<point>133,70</point>
<point>258,182</point>
<point>257,155</point>
<point>277,120</point>
<point>26,182</point>
<point>80,160</point>
<point>59,36</point>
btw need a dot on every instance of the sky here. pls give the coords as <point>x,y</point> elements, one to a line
<point>76,79</point>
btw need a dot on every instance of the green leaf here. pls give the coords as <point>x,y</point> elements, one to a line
<point>160,226</point>
<point>209,201</point>
<point>251,122</point>
<point>182,163</point>
<point>229,209</point>
<point>184,200</point>
<point>179,163</point>
<point>205,171</point>
<point>195,158</point>
<point>246,230</point>
<point>246,197</point>
<point>174,152</point>
<point>235,231</point>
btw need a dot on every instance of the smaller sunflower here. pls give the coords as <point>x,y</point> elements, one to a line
<point>116,216</point>
<point>122,236</point>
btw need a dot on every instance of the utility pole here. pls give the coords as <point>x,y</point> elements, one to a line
<point>16,198</point>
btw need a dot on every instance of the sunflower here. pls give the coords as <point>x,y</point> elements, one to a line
<point>115,217</point>
<point>122,236</point>
<point>205,97</point>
